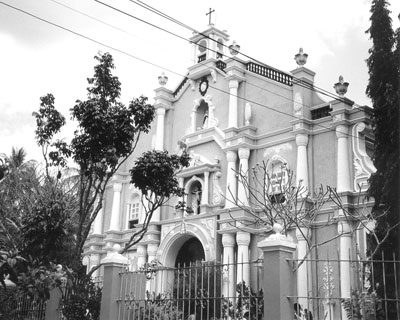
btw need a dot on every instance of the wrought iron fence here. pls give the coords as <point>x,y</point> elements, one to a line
<point>67,292</point>
<point>196,291</point>
<point>22,306</point>
<point>374,290</point>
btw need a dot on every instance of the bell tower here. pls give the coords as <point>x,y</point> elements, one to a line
<point>209,44</point>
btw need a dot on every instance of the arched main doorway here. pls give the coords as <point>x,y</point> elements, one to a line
<point>190,252</point>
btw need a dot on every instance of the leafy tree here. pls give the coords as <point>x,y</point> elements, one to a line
<point>383,89</point>
<point>154,175</point>
<point>107,134</point>
<point>292,207</point>
<point>35,213</point>
<point>49,214</point>
<point>15,194</point>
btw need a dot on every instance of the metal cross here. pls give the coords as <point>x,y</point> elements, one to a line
<point>209,13</point>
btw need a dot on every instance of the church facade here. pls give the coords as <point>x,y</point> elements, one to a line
<point>231,114</point>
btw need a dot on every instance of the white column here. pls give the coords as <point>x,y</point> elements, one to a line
<point>152,251</point>
<point>345,254</point>
<point>212,53</point>
<point>115,212</point>
<point>194,53</point>
<point>233,103</point>
<point>204,195</point>
<point>228,285</point>
<point>98,221</point>
<point>343,160</point>
<point>156,215</point>
<point>141,252</point>
<point>244,154</point>
<point>231,183</point>
<point>159,145</point>
<point>193,119</point>
<point>243,267</point>
<point>302,235</point>
<point>302,167</point>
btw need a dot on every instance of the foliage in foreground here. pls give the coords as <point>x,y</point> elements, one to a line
<point>47,216</point>
<point>83,299</point>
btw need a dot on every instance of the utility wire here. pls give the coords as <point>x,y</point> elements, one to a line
<point>93,18</point>
<point>259,87</point>
<point>80,12</point>
<point>297,80</point>
<point>151,63</point>
<point>305,85</point>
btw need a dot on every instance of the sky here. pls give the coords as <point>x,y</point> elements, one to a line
<point>47,46</point>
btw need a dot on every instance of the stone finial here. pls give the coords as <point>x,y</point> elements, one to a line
<point>114,256</point>
<point>163,79</point>
<point>277,229</point>
<point>341,87</point>
<point>301,58</point>
<point>234,48</point>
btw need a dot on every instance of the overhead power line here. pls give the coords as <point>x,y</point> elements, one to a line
<point>297,80</point>
<point>153,64</point>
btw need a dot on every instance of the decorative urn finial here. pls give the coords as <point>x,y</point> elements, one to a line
<point>234,48</point>
<point>301,58</point>
<point>163,79</point>
<point>341,87</point>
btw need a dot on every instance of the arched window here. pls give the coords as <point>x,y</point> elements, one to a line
<point>277,181</point>
<point>134,207</point>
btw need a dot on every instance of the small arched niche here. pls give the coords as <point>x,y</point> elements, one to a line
<point>202,115</point>
<point>194,195</point>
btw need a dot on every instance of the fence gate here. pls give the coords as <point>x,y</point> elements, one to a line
<point>194,292</point>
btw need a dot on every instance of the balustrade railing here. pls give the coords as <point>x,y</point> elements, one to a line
<point>221,65</point>
<point>321,113</point>
<point>201,58</point>
<point>270,73</point>
<point>175,93</point>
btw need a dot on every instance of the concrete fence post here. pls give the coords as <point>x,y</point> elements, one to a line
<point>279,278</point>
<point>113,264</point>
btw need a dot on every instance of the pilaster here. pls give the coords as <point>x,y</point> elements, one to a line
<point>343,181</point>
<point>243,268</point>
<point>302,161</point>
<point>229,285</point>
<point>243,183</point>
<point>115,212</point>
<point>231,180</point>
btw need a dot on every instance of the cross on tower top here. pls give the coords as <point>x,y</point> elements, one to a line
<point>209,13</point>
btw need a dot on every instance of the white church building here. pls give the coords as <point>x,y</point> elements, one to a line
<point>232,113</point>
